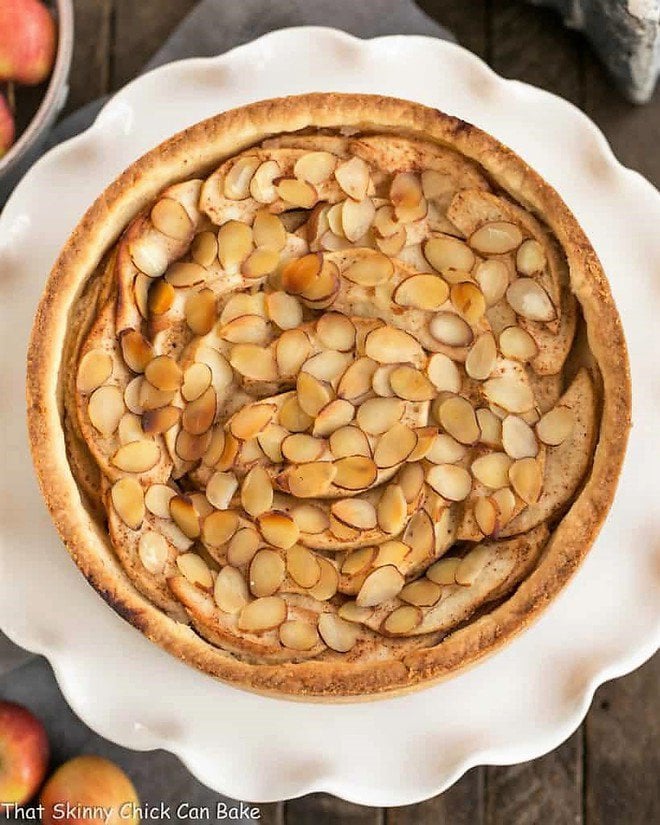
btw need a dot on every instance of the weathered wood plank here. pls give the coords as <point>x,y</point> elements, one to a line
<point>462,804</point>
<point>530,44</point>
<point>468,20</point>
<point>139,31</point>
<point>89,77</point>
<point>323,809</point>
<point>623,750</point>
<point>547,790</point>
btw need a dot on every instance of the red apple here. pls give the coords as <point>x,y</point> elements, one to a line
<point>90,789</point>
<point>28,39</point>
<point>7,128</point>
<point>24,754</point>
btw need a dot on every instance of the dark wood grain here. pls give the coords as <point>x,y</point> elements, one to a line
<point>323,809</point>
<point>623,750</point>
<point>90,69</point>
<point>462,804</point>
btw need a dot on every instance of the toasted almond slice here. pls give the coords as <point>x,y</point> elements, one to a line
<point>198,415</point>
<point>423,291</point>
<point>242,546</point>
<point>471,565</point>
<point>136,351</point>
<point>468,299</point>
<point>230,591</point>
<point>284,310</point>
<point>218,364</point>
<point>299,274</point>
<point>486,514</point>
<point>191,447</point>
<point>357,217</point>
<point>301,448</point>
<point>149,254</point>
<point>161,297</point>
<point>490,426</point>
<point>422,593</point>
<point>218,527</point>
<point>370,270</point>
<point>201,504</point>
<point>204,248</point>
<point>253,362</point>
<point>406,189</point>
<point>528,299</point>
<point>382,584</point>
<point>425,441</point>
<point>278,529</point>
<point>235,242</point>
<point>196,380</point>
<point>270,440</point>
<point>496,238</point>
<point>449,481</point>
<point>530,258</point>
<point>443,572</point>
<point>293,418</point>
<point>236,184</point>
<point>334,216</point>
<point>353,177</point>
<point>195,569</point>
<point>358,561</point>
<point>327,585</point>
<point>411,384</point>
<point>352,613</point>
<point>262,614</point>
<point>249,421</point>
<point>184,515</point>
<point>526,478</point>
<point>262,187</point>
<point>450,329</point>
<point>391,552</point>
<point>267,573</point>
<point>348,441</point>
<point>268,231</point>
<point>411,479</point>
<point>311,480</point>
<point>184,274</point>
<point>105,409</point>
<point>170,218</point>
<point>313,395</point>
<point>327,366</point>
<point>386,223</point>
<point>402,620</point>
<point>338,634</point>
<point>445,252</point>
<point>342,531</point>
<point>155,422</point>
<point>492,470</point>
<point>505,501</point>
<point>336,332</point>
<point>445,450</point>
<point>243,303</point>
<point>337,414</point>
<point>150,398</point>
<point>481,358</point>
<point>556,425</point>
<point>392,510</point>
<point>310,519</point>
<point>355,512</point>
<point>395,446</point>
<point>164,373</point>
<point>291,351</point>
<point>315,167</point>
<point>94,369</point>
<point>257,492</point>
<point>356,380</point>
<point>153,551</point>
<point>220,490</point>
<point>355,472</point>
<point>260,262</point>
<point>130,428</point>
<point>297,192</point>
<point>510,393</point>
<point>136,457</point>
<point>444,373</point>
<point>493,279</point>
<point>380,380</point>
<point>302,566</point>
<point>518,344</point>
<point>518,438</point>
<point>200,311</point>
<point>324,288</point>
<point>390,345</point>
<point>410,214</point>
<point>377,415</point>
<point>298,635</point>
<point>457,417</point>
<point>128,500</point>
<point>393,244</point>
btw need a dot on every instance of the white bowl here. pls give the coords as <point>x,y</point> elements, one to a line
<point>514,706</point>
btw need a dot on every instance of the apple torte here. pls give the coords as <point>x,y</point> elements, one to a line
<point>328,395</point>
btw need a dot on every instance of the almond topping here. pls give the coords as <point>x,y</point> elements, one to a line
<point>313,395</point>
<point>137,456</point>
<point>298,635</point>
<point>444,373</point>
<point>530,258</point>
<point>302,566</point>
<point>230,591</point>
<point>445,450</point>
<point>337,414</point>
<point>184,274</point>
<point>284,310</point>
<point>136,350</point>
<point>355,472</point>
<point>315,167</point>
<point>164,373</point>
<point>170,218</point>
<point>95,368</point>
<point>234,244</point>
<point>355,512</point>
<point>496,238</point>
<point>492,470</point>
<point>242,546</point>
<point>220,490</point>
<point>260,263</point>
<point>486,514</point>
<point>262,614</point>
<point>327,585</point>
<point>161,297</point>
<point>518,438</point>
<point>493,279</point>
<point>428,292</point>
<point>155,422</point>
<point>153,551</point>
<point>297,192</point>
<point>185,516</point>
<point>105,409</point>
<point>338,634</point>
<point>299,274</point>
<point>390,345</point>
<point>443,572</point>
<point>237,180</point>
<point>510,393</point>
<point>249,421</point>
<point>468,299</point>
<point>293,418</point>
<point>471,565</point>
<point>195,569</point>
<point>491,428</point>
<point>356,380</point>
<point>518,344</point>
<point>204,248</point>
<point>526,479</point>
<point>349,440</point>
<point>411,479</point>
<point>392,510</point>
<point>370,270</point>
<point>450,329</point>
<point>353,177</point>
<point>196,379</point>
<point>335,331</point>
<point>128,501</point>
<point>395,446</point>
<point>376,415</point>
<point>481,358</point>
<point>422,593</point>
<point>192,447</point>
<point>254,362</point>
<point>262,188</point>
<point>291,351</point>
<point>278,529</point>
<point>457,417</point>
<point>402,620</point>
<point>310,519</point>
<point>445,252</point>
<point>218,527</point>
<point>149,254</point>
<point>451,482</point>
<point>266,573</point>
<point>411,385</point>
<point>357,217</point>
<point>270,440</point>
<point>528,299</point>
<point>200,311</point>
<point>382,584</point>
<point>198,415</point>
<point>555,426</point>
<point>301,448</point>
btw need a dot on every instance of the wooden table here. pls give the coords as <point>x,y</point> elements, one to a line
<point>607,772</point>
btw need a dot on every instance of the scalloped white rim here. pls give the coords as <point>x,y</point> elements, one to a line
<point>514,706</point>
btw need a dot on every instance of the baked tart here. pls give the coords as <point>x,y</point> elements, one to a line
<point>328,395</point>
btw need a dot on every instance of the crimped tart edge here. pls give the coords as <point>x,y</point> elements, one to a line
<point>196,151</point>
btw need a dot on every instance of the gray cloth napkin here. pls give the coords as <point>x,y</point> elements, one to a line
<point>213,27</point>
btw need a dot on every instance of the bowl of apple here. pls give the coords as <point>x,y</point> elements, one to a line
<point>36,44</point>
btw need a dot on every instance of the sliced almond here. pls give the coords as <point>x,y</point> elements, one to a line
<point>393,244</point>
<point>338,634</point>
<point>355,472</point>
<point>236,185</point>
<point>185,516</point>
<point>402,621</point>
<point>505,501</point>
<point>411,384</point>
<point>170,218</point>
<point>252,361</point>
<point>357,217</point>
<point>204,248</point>
<point>200,311</point>
<point>310,519</point>
<point>185,274</point>
<point>492,470</point>
<point>353,177</point>
<point>526,478</point>
<point>105,409</point>
<point>311,480</point>
<point>358,561</point>
<point>496,238</point>
<point>390,345</point>
<point>94,369</point>
<point>444,373</point>
<point>327,585</point>
<point>128,500</point>
<point>457,417</point>
<point>395,446</point>
<point>136,457</point>
<point>449,481</point>
<point>336,332</point>
<point>196,380</point>
<point>518,438</point>
<point>198,415</point>
<point>299,274</point>
<point>486,514</point>
<point>382,584</point>
<point>315,167</point>
<point>220,490</point>
<point>392,510</point>
<point>157,500</point>
<point>443,572</point>
<point>298,635</point>
<point>530,258</point>
<point>427,292</point>
<point>266,573</point>
<point>370,270</point>
<point>297,192</point>
<point>450,329</point>
<point>518,344</point>
<point>352,613</point>
<point>256,492</point>
<point>130,428</point>
<point>278,529</point>
<point>149,254</point>
<point>491,428</point>
<point>337,414</point>
<point>195,569</point>
<point>249,421</point>
<point>380,380</point>
<point>270,440</point>
<point>262,614</point>
<point>481,358</point>
<point>155,422</point>
<point>300,448</point>
<point>261,262</point>
<point>510,393</point>
<point>141,289</point>
<point>235,242</point>
<point>356,380</point>
<point>349,441</point>
<point>292,350</point>
<point>422,593</point>
<point>355,512</point>
<point>313,395</point>
<point>153,551</point>
<point>445,252</point>
<point>262,187</point>
<point>151,398</point>
<point>377,415</point>
<point>161,297</point>
<point>386,223</point>
<point>556,425</point>
<point>425,441</point>
<point>230,591</point>
<point>219,527</point>
<point>411,480</point>
<point>529,300</point>
<point>243,303</point>
<point>164,373</point>
<point>268,231</point>
<point>136,351</point>
<point>192,447</point>
<point>324,288</point>
<point>468,299</point>
<point>302,566</point>
<point>284,310</point>
<point>242,546</point>
<point>218,364</point>
<point>445,450</point>
<point>328,365</point>
<point>493,279</point>
<point>293,418</point>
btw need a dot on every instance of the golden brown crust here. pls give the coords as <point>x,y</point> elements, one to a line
<point>195,152</point>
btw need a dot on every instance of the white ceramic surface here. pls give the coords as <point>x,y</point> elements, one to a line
<point>514,706</point>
